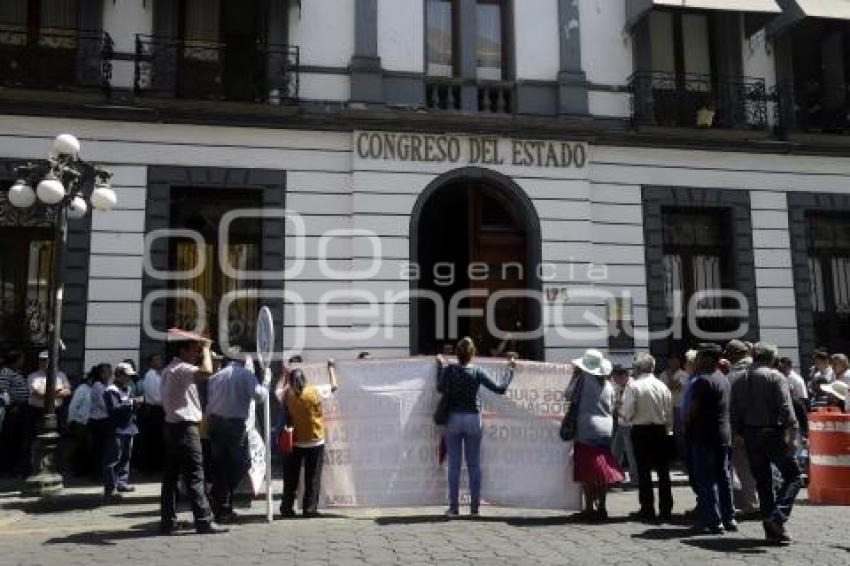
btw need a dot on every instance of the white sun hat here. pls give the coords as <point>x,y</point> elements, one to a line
<point>594,363</point>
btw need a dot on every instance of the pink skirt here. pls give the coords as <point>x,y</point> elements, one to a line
<point>595,465</point>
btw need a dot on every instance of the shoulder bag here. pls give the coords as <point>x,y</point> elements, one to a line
<point>572,401</point>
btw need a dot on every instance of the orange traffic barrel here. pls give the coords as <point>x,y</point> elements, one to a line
<point>829,457</point>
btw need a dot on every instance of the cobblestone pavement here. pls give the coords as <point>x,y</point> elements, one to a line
<point>76,529</point>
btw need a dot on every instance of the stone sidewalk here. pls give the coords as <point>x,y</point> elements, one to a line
<point>76,529</point>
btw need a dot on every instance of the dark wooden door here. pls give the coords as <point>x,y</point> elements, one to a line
<point>497,240</point>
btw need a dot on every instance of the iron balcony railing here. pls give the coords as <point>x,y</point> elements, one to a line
<point>812,107</point>
<point>494,97</point>
<point>205,70</point>
<point>55,59</point>
<point>694,100</point>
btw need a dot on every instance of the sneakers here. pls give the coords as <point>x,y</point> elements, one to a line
<point>731,526</point>
<point>710,529</point>
<point>452,513</point>
<point>287,513</point>
<point>126,489</point>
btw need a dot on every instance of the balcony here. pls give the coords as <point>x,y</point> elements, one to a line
<point>493,97</point>
<point>204,70</point>
<point>55,59</point>
<point>704,101</point>
<point>814,108</point>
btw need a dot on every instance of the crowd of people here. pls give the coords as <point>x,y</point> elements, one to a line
<point>735,419</point>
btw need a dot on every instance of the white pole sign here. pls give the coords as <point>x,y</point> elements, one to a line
<point>265,351</point>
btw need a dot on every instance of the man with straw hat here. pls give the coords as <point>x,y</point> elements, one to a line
<point>182,406</point>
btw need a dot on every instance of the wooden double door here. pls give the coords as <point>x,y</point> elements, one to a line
<point>479,232</point>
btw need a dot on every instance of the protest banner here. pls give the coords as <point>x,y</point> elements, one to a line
<point>382,443</point>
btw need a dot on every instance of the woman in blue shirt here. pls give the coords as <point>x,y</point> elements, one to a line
<point>460,382</point>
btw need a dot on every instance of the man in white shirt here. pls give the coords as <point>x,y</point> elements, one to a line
<point>796,383</point>
<point>822,374</point>
<point>648,407</point>
<point>36,384</point>
<point>37,381</point>
<point>152,417</point>
<point>181,403</point>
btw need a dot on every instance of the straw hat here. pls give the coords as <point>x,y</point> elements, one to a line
<point>837,389</point>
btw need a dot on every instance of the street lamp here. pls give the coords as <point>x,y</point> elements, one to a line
<point>65,184</point>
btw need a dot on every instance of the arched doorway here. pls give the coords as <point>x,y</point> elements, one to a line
<point>475,237</point>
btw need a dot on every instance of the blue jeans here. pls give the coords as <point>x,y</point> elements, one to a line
<point>463,432</point>
<point>116,461</point>
<point>623,449</point>
<point>766,446</point>
<point>711,466</point>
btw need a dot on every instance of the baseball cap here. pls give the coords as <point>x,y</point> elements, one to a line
<point>125,368</point>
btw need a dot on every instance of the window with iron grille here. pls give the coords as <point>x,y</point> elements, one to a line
<point>696,258</point>
<point>26,263</point>
<point>829,272</point>
<point>192,209</point>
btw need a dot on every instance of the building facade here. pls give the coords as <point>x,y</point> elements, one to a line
<point>544,175</point>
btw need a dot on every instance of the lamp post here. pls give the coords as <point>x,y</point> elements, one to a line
<point>65,184</point>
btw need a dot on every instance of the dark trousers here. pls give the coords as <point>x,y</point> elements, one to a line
<point>12,441</point>
<point>231,459</point>
<point>118,449</point>
<point>33,421</point>
<point>652,451</point>
<point>80,457</point>
<point>183,459</point>
<point>99,434</point>
<point>150,441</point>
<point>766,446</point>
<point>712,469</point>
<point>313,459</point>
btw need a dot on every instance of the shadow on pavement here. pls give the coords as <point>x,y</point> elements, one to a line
<point>71,503</point>
<point>112,538</point>
<point>412,520</point>
<point>138,514</point>
<point>729,544</point>
<point>667,534</point>
<point>575,518</point>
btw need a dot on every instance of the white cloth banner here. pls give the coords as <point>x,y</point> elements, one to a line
<point>382,446</point>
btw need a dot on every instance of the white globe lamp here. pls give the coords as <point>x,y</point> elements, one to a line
<point>103,197</point>
<point>21,195</point>
<point>77,208</point>
<point>66,144</point>
<point>50,190</point>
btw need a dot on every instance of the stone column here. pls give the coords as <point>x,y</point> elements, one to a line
<point>572,81</point>
<point>366,74</point>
